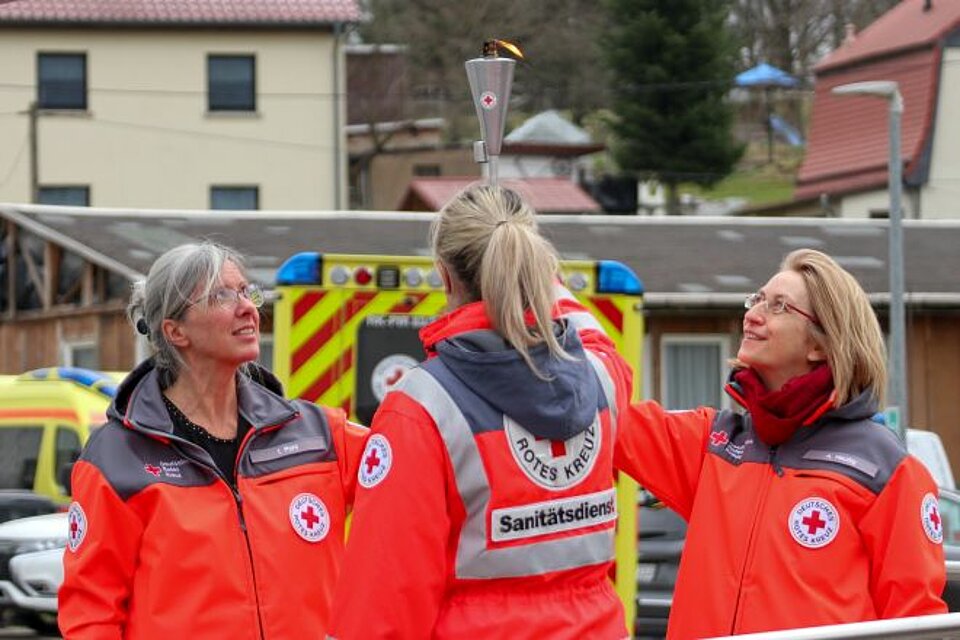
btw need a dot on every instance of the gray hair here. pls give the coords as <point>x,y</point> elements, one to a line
<point>168,291</point>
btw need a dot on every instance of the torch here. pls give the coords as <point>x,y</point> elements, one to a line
<point>490,79</point>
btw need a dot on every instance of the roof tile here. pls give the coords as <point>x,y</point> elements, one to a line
<point>905,26</point>
<point>848,146</point>
<point>294,12</point>
<point>546,195</point>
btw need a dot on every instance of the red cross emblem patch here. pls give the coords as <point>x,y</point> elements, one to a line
<point>488,100</point>
<point>376,461</point>
<point>153,470</point>
<point>930,518</point>
<point>719,438</point>
<point>814,522</point>
<point>76,526</point>
<point>309,517</point>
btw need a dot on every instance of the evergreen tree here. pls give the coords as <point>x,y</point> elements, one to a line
<point>673,63</point>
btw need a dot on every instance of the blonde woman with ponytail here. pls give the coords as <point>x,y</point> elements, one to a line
<point>486,506</point>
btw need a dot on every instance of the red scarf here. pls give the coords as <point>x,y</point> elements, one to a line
<point>778,414</point>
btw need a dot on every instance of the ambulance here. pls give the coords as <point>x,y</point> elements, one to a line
<point>46,416</point>
<point>346,328</point>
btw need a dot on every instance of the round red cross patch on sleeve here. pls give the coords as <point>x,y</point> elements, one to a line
<point>76,526</point>
<point>376,461</point>
<point>930,518</point>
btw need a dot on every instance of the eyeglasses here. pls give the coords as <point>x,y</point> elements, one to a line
<point>776,306</point>
<point>226,297</point>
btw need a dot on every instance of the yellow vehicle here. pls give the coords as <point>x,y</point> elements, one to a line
<point>45,418</point>
<point>345,329</point>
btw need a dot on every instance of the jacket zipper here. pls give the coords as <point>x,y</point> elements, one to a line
<point>238,500</point>
<point>751,540</point>
<point>235,493</point>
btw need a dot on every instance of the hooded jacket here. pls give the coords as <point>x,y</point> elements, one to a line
<point>837,524</point>
<point>160,545</point>
<point>486,506</point>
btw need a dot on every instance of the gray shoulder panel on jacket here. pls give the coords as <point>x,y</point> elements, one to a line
<point>131,461</point>
<point>863,451</point>
<point>303,440</point>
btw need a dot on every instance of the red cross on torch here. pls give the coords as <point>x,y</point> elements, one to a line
<point>309,517</point>
<point>488,99</point>
<point>372,461</point>
<point>814,523</point>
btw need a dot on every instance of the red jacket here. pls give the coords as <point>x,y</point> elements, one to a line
<point>485,509</point>
<point>161,547</point>
<point>838,524</point>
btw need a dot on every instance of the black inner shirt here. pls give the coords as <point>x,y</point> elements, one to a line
<point>223,451</point>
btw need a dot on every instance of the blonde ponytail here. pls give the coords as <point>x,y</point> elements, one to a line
<point>488,236</point>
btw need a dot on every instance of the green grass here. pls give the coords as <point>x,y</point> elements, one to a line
<point>758,186</point>
<point>756,180</point>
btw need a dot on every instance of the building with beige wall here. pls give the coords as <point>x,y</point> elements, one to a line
<point>190,105</point>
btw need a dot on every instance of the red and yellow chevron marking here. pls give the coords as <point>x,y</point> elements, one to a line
<point>323,337</point>
<point>609,311</point>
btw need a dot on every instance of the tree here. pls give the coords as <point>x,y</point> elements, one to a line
<point>794,35</point>
<point>562,69</point>
<point>673,63</point>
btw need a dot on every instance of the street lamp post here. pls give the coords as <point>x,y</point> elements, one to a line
<point>890,91</point>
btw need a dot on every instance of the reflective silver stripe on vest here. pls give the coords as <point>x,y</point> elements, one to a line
<point>474,560</point>
<point>578,319</point>
<point>583,320</point>
<point>608,388</point>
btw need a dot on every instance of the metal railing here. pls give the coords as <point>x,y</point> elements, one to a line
<point>944,626</point>
<point>953,569</point>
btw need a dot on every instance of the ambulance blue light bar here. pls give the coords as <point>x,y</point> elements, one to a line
<point>301,268</point>
<point>95,380</point>
<point>616,277</point>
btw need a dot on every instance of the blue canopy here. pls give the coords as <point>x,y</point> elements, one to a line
<point>764,75</point>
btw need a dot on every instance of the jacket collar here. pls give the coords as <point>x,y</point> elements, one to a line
<point>139,401</point>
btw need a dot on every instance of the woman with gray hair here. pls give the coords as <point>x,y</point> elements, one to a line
<point>208,506</point>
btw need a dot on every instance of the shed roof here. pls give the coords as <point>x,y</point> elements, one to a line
<point>683,261</point>
<point>545,195</point>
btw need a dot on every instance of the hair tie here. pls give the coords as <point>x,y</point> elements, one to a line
<point>142,327</point>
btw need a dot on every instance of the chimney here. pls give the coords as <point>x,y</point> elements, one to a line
<point>927,5</point>
<point>851,32</point>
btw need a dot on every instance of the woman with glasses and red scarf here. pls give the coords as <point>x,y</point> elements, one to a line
<point>802,511</point>
<point>208,506</point>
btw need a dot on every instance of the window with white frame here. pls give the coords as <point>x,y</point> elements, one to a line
<point>693,369</point>
<point>84,354</point>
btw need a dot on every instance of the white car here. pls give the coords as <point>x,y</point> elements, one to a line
<point>31,569</point>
